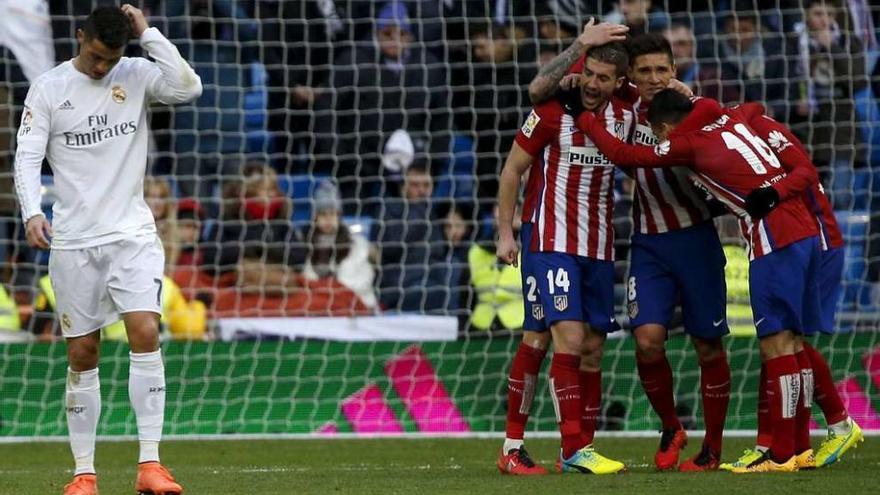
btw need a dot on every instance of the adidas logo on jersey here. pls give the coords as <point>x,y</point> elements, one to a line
<point>66,105</point>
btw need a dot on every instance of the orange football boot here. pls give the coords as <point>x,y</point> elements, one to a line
<point>153,479</point>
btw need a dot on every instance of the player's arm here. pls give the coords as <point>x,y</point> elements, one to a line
<point>518,161</point>
<point>33,136</point>
<point>536,133</point>
<point>670,153</point>
<point>545,84</point>
<point>170,79</point>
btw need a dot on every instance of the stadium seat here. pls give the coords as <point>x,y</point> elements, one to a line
<point>300,188</point>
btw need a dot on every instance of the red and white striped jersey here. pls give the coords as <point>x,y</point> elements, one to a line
<point>665,199</point>
<point>788,147</point>
<point>730,161</point>
<point>574,207</point>
<point>534,185</point>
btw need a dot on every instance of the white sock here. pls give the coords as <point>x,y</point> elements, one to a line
<point>83,399</point>
<point>841,427</point>
<point>146,390</point>
<point>762,449</point>
<point>510,444</point>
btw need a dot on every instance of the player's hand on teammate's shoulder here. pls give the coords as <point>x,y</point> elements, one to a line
<point>584,120</point>
<point>38,232</point>
<point>599,34</point>
<point>680,87</point>
<point>138,21</point>
<point>507,250</point>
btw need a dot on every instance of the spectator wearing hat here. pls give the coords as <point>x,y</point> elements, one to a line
<point>374,90</point>
<point>334,252</point>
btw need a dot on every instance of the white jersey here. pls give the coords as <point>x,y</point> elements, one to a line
<point>94,135</point>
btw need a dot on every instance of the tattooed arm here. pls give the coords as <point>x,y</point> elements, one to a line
<point>545,84</point>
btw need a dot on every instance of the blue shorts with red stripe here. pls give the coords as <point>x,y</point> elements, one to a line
<point>784,289</point>
<point>830,279</point>
<point>575,288</point>
<point>679,267</point>
<point>534,310</point>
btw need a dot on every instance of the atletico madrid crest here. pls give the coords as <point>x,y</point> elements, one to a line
<point>618,129</point>
<point>560,302</point>
<point>538,311</point>
<point>632,309</point>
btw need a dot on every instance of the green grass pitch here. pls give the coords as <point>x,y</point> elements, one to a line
<point>407,467</point>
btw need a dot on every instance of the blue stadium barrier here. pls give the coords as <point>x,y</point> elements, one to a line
<point>854,226</point>
<point>457,178</point>
<point>255,113</point>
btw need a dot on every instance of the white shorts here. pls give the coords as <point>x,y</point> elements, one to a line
<point>95,286</point>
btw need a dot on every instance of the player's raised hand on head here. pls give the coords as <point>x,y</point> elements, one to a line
<point>599,34</point>
<point>680,87</point>
<point>138,21</point>
<point>38,232</point>
<point>507,250</point>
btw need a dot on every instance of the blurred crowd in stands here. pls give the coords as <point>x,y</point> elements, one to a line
<point>343,157</point>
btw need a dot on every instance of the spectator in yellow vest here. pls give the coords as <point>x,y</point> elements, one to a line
<point>498,287</point>
<point>9,320</point>
<point>736,274</point>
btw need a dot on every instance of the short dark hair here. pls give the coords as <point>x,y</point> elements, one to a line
<point>669,107</point>
<point>109,25</point>
<point>650,43</point>
<point>611,53</point>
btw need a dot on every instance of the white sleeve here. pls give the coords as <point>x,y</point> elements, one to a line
<point>170,79</point>
<point>33,136</point>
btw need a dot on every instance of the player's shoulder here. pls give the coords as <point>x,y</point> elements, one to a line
<point>620,105</point>
<point>547,115</point>
<point>132,66</point>
<point>60,72</point>
<point>550,110</point>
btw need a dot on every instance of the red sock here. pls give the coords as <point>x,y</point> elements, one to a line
<point>566,392</point>
<point>802,420</point>
<point>783,393</point>
<point>715,388</point>
<point>765,422</point>
<point>656,377</point>
<point>825,393</point>
<point>521,388</point>
<point>591,402</point>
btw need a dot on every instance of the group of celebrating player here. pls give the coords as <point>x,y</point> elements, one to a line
<point>691,160</point>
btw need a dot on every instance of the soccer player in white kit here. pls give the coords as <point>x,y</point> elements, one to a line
<point>88,117</point>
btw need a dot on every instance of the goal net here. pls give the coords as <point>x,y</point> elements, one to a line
<point>326,208</point>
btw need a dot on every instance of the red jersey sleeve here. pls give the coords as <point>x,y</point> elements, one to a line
<point>801,173</point>
<point>673,152</point>
<point>539,129</point>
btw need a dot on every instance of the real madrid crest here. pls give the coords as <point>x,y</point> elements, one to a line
<point>118,94</point>
<point>65,321</point>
